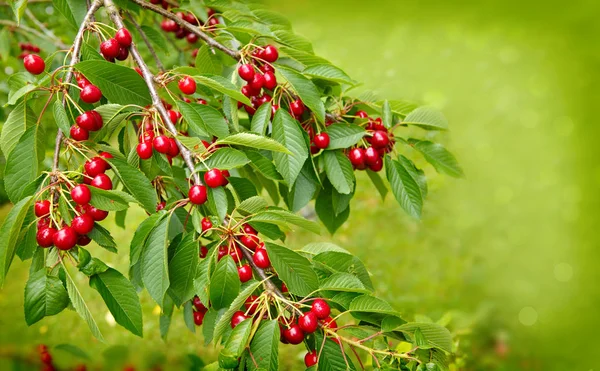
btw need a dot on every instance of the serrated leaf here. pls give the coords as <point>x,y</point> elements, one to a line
<point>253,141</point>
<point>378,183</point>
<point>226,159</point>
<point>222,85</point>
<point>154,260</point>
<point>371,304</point>
<point>236,343</point>
<point>224,283</point>
<point>386,114</point>
<point>136,183</point>
<point>110,200</point>
<point>18,121</point>
<point>344,135</point>
<point>287,132</point>
<point>265,347</point>
<point>217,201</point>
<point>103,238</point>
<point>434,334</point>
<point>343,282</point>
<point>426,118</point>
<point>293,40</point>
<point>320,247</point>
<point>261,119</point>
<point>11,227</point>
<point>331,357</point>
<point>307,91</point>
<point>405,187</point>
<point>264,165</point>
<point>61,118</point>
<point>156,37</point>
<point>23,163</point>
<point>293,269</point>
<point>204,119</point>
<point>73,11</point>
<point>182,269</point>
<point>252,205</point>
<point>328,72</point>
<point>18,8</point>
<point>224,320</point>
<point>206,61</point>
<point>307,59</point>
<point>44,296</point>
<point>339,171</point>
<point>282,218</point>
<point>326,211</point>
<point>438,156</point>
<point>336,260</point>
<point>141,234</point>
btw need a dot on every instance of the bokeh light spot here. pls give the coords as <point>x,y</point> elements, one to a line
<point>528,316</point>
<point>563,272</point>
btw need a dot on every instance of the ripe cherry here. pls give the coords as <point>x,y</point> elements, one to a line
<point>90,94</point>
<point>174,116</point>
<point>123,37</point>
<point>187,85</point>
<point>95,166</point>
<point>308,322</point>
<point>320,308</point>
<point>380,139</point>
<point>105,156</point>
<point>45,237</point>
<point>329,322</point>
<point>169,25</point>
<point>192,38</point>
<point>245,273</point>
<point>321,140</point>
<point>270,80</point>
<point>42,208</point>
<point>238,317</point>
<point>371,156</point>
<point>199,318</point>
<point>81,194</point>
<point>102,181</point>
<point>284,288</point>
<point>293,334</point>
<point>200,307</point>
<point>161,144</point>
<point>203,252</point>
<point>247,228</point>
<point>251,241</point>
<point>270,53</point>
<point>78,133</point>
<point>362,114</point>
<point>266,68</point>
<point>144,150</point>
<point>357,158</point>
<point>110,49</point>
<point>123,54</point>
<point>206,224</point>
<point>34,64</point>
<point>246,71</point>
<point>297,108</point>
<point>43,222</point>
<point>87,120</point>
<point>82,224</point>
<point>310,359</point>
<point>160,206</point>
<point>221,252</point>
<point>65,238</point>
<point>214,178</point>
<point>377,166</point>
<point>46,358</point>
<point>258,81</point>
<point>197,194</point>
<point>97,214</point>
<point>261,258</point>
<point>173,148</point>
<point>236,254</point>
<point>83,240</point>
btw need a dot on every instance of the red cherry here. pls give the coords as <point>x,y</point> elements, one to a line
<point>371,156</point>
<point>45,237</point>
<point>266,68</point>
<point>213,21</point>
<point>90,94</point>
<point>236,254</point>
<point>123,37</point>
<point>87,120</point>
<point>144,150</point>
<point>320,308</point>
<point>82,224</point>
<point>81,194</point>
<point>192,38</point>
<point>203,252</point>
<point>160,206</point>
<point>274,109</point>
<point>221,252</point>
<point>310,359</point>
<point>261,258</point>
<point>308,322</point>
<point>202,101</point>
<point>79,133</point>
<point>110,49</point>
<point>329,322</point>
<point>42,208</point>
<point>95,166</point>
<point>34,64</point>
<point>251,303</point>
<point>198,304</point>
<point>247,228</point>
<point>238,317</point>
<point>206,224</point>
<point>258,81</point>
<point>270,82</point>
<point>321,140</point>
<point>246,72</point>
<point>270,53</point>
<point>43,223</point>
<point>98,118</point>
<point>357,157</point>
<point>284,288</point>
<point>297,108</point>
<point>214,178</point>
<point>245,273</point>
<point>173,148</point>
<point>197,194</point>
<point>199,318</point>
<point>187,85</point>
<point>83,240</point>
<point>251,241</point>
<point>169,25</point>
<point>161,144</point>
<point>46,358</point>
<point>190,18</point>
<point>105,156</point>
<point>82,81</point>
<point>174,116</point>
<point>377,166</point>
<point>97,214</point>
<point>380,139</point>
<point>123,54</point>
<point>65,238</point>
<point>362,114</point>
<point>293,334</point>
<point>102,181</point>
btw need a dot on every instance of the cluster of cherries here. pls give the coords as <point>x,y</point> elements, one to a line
<point>258,77</point>
<point>149,141</point>
<point>381,142</point>
<point>169,25</point>
<point>68,236</point>
<point>45,358</point>
<point>28,48</point>
<point>84,123</point>
<point>89,93</point>
<point>116,47</point>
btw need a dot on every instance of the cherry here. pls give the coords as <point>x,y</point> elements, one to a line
<point>371,156</point>
<point>197,194</point>
<point>284,288</point>
<point>329,322</point>
<point>45,237</point>
<point>236,254</point>
<point>82,224</point>
<point>213,21</point>
<point>169,25</point>
<point>203,252</point>
<point>173,148</point>
<point>161,144</point>
<point>357,157</point>
<point>78,133</point>
<point>137,69</point>
<point>297,108</point>
<point>362,114</point>
<point>270,80</point>
<point>82,81</point>
<point>251,241</point>
<point>261,258</point>
<point>190,18</point>
<point>98,118</point>
<point>102,181</point>
<point>97,214</point>
<point>321,140</point>
<point>43,223</point>
<point>221,252</point>
<point>144,150</point>
<point>34,64</point>
<point>258,81</point>
<point>270,54</point>
<point>192,38</point>
<point>245,273</point>
<point>214,178</point>
<point>90,94</point>
<point>160,206</point>
<point>310,359</point>
<point>46,358</point>
<point>42,208</point>
<point>198,304</point>
<point>266,68</point>
<point>181,33</point>
<point>206,224</point>
<point>42,348</point>
<point>377,166</point>
<point>65,238</point>
<point>81,194</point>
<point>251,303</point>
<point>238,317</point>
<point>95,166</point>
<point>87,120</point>
<point>380,139</point>
<point>123,54</point>
<point>187,85</point>
<point>123,37</point>
<point>110,49</point>
<point>246,72</point>
<point>293,334</point>
<point>274,109</point>
<point>247,228</point>
<point>202,101</point>
<point>83,240</point>
<point>320,308</point>
<point>249,92</point>
<point>174,116</point>
<point>199,318</point>
<point>308,322</point>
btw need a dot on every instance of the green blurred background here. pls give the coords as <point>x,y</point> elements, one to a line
<point>508,255</point>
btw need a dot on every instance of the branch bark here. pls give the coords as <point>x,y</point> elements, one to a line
<point>270,286</point>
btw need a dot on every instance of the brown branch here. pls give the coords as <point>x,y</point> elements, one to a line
<point>190,27</point>
<point>113,12</point>
<point>269,286</point>
<point>147,42</point>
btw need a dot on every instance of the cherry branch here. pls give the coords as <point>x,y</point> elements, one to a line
<point>147,42</point>
<point>270,286</point>
<point>190,27</point>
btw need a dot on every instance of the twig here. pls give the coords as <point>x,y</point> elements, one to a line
<point>270,286</point>
<point>148,44</point>
<point>25,29</point>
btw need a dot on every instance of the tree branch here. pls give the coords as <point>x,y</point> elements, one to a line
<point>270,286</point>
<point>190,27</point>
<point>147,42</point>
<point>113,12</point>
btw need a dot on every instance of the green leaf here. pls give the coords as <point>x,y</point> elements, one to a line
<point>293,40</point>
<point>136,183</point>
<point>342,261</point>
<point>18,121</point>
<point>426,118</point>
<point>73,11</point>
<point>252,205</point>
<point>261,119</point>
<point>103,238</point>
<point>263,164</point>
<point>287,132</point>
<point>119,84</point>
<point>344,135</point>
<point>224,283</point>
<point>207,62</point>
<point>331,357</point>
<point>283,217</point>
<point>235,345</point>
<point>18,7</point>
<point>222,85</point>
<point>434,334</point>
<point>10,233</point>
<point>217,201</point>
<point>378,183</point>
<point>61,118</point>
<point>265,347</point>
<point>183,266</point>
<point>307,59</point>
<point>154,260</point>
<point>23,163</point>
<point>326,211</point>
<point>293,269</point>
<point>307,91</point>
<point>405,187</point>
<point>121,299</point>
<point>80,306</point>
<point>88,265</point>
<point>339,171</point>
<point>328,72</point>
<point>316,248</point>
<point>226,159</point>
<point>253,141</point>
<point>386,114</point>
<point>438,156</point>
<point>343,282</point>
<point>111,200</point>
<point>224,321</point>
<point>204,119</point>
<point>44,296</point>
<point>371,304</point>
<point>157,38</point>
<point>141,234</point>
